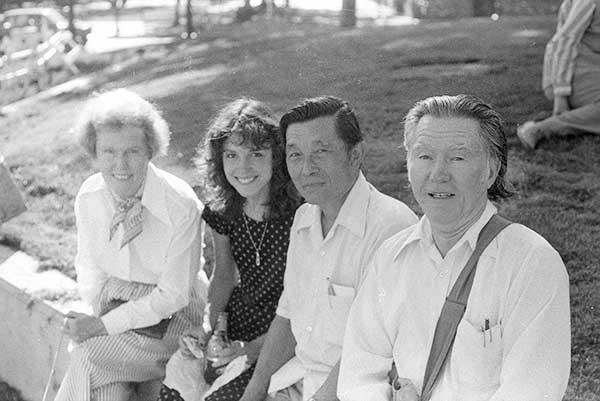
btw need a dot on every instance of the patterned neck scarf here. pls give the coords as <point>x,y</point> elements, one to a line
<point>129,213</point>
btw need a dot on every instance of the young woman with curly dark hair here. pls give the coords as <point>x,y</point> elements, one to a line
<point>250,212</point>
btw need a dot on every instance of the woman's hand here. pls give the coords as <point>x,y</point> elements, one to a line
<point>80,327</point>
<point>238,348</point>
<point>561,104</point>
<point>196,332</point>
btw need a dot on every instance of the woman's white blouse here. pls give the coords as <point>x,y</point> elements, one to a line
<point>167,252</point>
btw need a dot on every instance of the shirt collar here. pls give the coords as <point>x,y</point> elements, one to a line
<point>352,214</point>
<point>422,231</point>
<point>153,197</point>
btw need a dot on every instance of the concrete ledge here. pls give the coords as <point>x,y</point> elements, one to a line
<point>30,326</point>
<point>31,318</point>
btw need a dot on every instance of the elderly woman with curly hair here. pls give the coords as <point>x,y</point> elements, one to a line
<point>138,253</point>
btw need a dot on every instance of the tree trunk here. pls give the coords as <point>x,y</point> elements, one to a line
<point>269,8</point>
<point>483,8</point>
<point>117,10</point>
<point>176,15</point>
<point>189,23</point>
<point>348,14</point>
<point>71,17</point>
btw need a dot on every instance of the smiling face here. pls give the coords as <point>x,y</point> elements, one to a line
<point>248,170</point>
<point>320,166</point>
<point>450,171</point>
<point>122,156</point>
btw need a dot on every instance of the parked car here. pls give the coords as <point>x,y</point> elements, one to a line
<point>35,45</point>
<point>32,26</point>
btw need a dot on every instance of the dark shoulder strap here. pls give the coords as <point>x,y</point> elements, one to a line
<point>455,306</point>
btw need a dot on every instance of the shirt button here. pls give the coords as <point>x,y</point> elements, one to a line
<point>322,253</point>
<point>309,329</point>
<point>443,274</point>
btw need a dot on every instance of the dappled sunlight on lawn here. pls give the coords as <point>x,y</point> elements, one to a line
<point>380,70</point>
<point>172,84</point>
<point>445,70</point>
<point>364,8</point>
<point>530,33</point>
<point>422,41</point>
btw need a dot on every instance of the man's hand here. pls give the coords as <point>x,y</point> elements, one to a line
<point>404,390</point>
<point>561,104</point>
<point>80,327</point>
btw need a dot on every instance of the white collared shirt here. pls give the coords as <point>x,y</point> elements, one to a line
<point>167,252</point>
<point>521,287</point>
<point>323,274</point>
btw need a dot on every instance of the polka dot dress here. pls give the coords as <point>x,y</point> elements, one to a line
<point>252,304</point>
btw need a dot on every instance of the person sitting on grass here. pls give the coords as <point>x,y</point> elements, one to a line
<point>138,254</point>
<point>571,76</point>
<point>250,215</point>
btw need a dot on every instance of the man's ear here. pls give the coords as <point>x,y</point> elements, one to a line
<point>356,155</point>
<point>493,171</point>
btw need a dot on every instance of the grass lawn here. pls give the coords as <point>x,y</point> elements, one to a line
<point>382,71</point>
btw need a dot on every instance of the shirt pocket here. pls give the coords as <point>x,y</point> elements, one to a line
<point>339,302</point>
<point>477,356</point>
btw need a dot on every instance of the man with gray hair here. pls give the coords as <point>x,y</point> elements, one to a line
<point>506,335</point>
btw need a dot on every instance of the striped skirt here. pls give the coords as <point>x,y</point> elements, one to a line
<point>103,368</point>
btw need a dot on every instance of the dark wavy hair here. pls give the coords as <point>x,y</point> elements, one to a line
<point>257,128</point>
<point>346,123</point>
<point>491,126</point>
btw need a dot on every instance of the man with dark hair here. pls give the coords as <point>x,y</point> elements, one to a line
<point>332,239</point>
<point>459,327</point>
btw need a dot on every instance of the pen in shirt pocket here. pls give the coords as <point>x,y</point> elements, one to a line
<point>330,289</point>
<point>484,329</point>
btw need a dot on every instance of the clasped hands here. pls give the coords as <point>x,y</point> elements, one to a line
<point>200,339</point>
<point>80,327</point>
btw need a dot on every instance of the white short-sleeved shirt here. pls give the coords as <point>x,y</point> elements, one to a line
<point>167,252</point>
<point>323,274</point>
<point>521,288</point>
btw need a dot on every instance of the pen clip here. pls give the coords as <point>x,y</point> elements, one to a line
<point>330,289</point>
<point>483,335</point>
<point>486,329</point>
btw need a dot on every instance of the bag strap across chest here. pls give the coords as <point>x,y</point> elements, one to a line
<point>455,306</point>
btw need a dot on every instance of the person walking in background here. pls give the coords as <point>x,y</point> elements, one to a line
<point>250,213</point>
<point>512,342</point>
<point>138,253</point>
<point>333,237</point>
<point>571,76</point>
